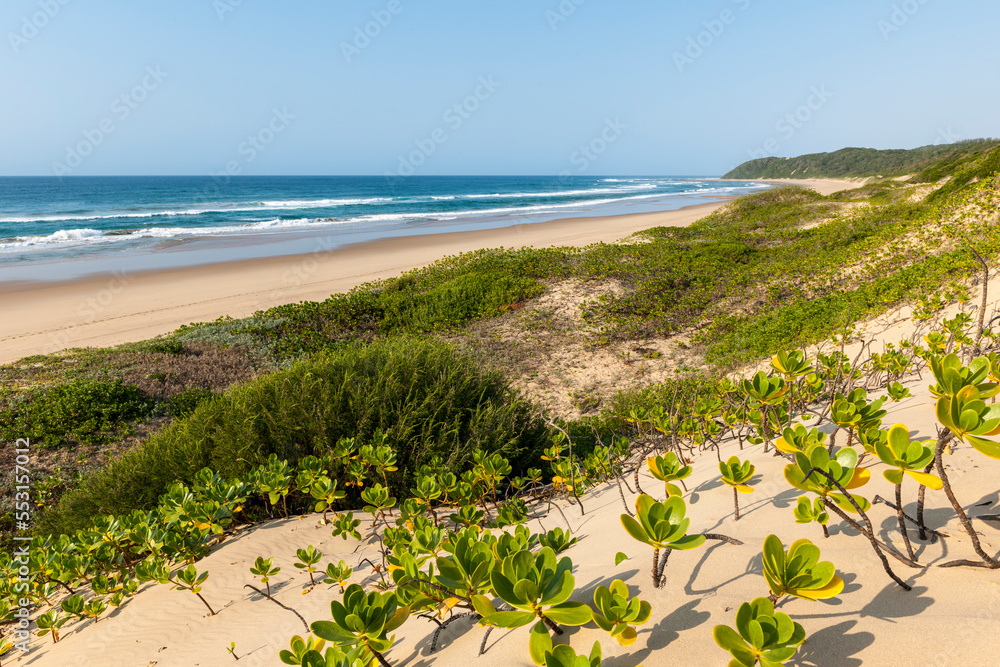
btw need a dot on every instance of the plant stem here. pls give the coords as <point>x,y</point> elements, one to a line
<point>622,494</point>
<point>210,610</point>
<point>378,656</point>
<point>260,592</point>
<point>445,624</point>
<point>552,626</point>
<point>987,561</point>
<point>902,521</point>
<point>920,505</point>
<point>736,503</point>
<point>871,538</point>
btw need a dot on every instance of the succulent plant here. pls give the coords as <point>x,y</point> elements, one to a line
<point>363,621</point>
<point>467,569</point>
<point>306,653</point>
<point>265,569</point>
<point>339,574</point>
<point>799,572</point>
<point>468,515</point>
<point>765,390</point>
<point>617,612</point>
<point>898,392</point>
<point>325,492</point>
<point>807,512</point>
<point>667,469</point>
<point>345,525</point>
<point>762,636</point>
<point>538,587</point>
<point>308,558</point>
<point>565,656</point>
<point>961,407</point>
<point>792,365</point>
<point>736,474</point>
<point>51,622</point>
<point>377,501</point>
<point>906,458</point>
<point>661,526</point>
<point>798,439</point>
<point>843,468</point>
<point>557,539</point>
<point>855,413</point>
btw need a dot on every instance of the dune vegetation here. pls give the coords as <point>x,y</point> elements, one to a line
<point>406,406</point>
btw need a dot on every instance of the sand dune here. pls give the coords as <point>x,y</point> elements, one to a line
<point>945,617</point>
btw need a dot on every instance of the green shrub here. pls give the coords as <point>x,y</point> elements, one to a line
<point>164,346</point>
<point>83,411</point>
<point>966,173</point>
<point>430,300</point>
<point>184,403</point>
<point>467,297</point>
<point>429,401</point>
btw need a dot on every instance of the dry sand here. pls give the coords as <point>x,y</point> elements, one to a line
<point>824,186</point>
<point>41,318</point>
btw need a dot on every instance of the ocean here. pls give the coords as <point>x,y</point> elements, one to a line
<point>61,228</point>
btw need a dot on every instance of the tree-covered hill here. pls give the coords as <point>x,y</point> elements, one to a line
<point>861,162</point>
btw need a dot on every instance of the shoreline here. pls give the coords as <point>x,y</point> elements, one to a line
<point>110,309</point>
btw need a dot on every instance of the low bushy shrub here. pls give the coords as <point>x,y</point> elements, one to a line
<point>184,403</point>
<point>82,411</point>
<point>430,401</point>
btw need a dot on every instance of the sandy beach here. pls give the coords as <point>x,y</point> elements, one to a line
<point>42,318</point>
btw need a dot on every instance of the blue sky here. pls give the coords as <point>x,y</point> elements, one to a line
<point>199,86</point>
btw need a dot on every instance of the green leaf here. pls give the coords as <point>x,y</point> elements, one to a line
<point>687,542</point>
<point>331,632</point>
<point>893,476</point>
<point>986,447</point>
<point>510,619</point>
<point>728,640</point>
<point>539,643</point>
<point>635,529</point>
<point>570,613</point>
<point>620,558</point>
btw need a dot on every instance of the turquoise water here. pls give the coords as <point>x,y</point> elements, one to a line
<point>102,223</point>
